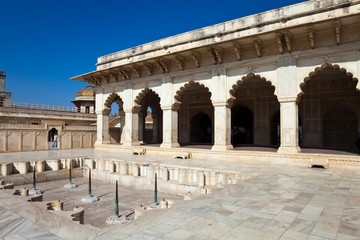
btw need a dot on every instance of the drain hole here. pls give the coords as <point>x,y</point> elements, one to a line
<point>318,166</point>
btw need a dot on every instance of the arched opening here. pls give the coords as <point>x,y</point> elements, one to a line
<point>114,123</point>
<point>201,130</point>
<point>253,104</point>
<point>275,129</point>
<point>329,109</point>
<point>150,117</point>
<point>113,107</point>
<point>340,128</point>
<point>52,132</point>
<point>53,138</point>
<point>195,115</point>
<point>242,125</point>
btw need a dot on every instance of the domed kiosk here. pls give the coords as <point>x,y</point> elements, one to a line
<point>85,99</point>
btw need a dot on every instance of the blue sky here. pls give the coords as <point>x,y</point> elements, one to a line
<point>44,43</point>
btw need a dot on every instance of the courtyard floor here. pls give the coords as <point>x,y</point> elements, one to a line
<point>277,201</point>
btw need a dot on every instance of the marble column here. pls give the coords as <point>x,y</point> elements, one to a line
<point>131,127</point>
<point>289,126</point>
<point>122,126</point>
<point>141,127</point>
<point>155,117</point>
<point>170,128</point>
<point>222,128</point>
<point>103,135</point>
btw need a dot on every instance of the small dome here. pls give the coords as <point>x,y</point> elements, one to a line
<point>86,93</point>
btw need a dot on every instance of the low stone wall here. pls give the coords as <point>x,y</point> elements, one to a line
<point>300,159</point>
<point>171,179</point>
<point>34,138</point>
<point>21,173</point>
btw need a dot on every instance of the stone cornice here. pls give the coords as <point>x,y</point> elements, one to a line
<point>206,42</point>
<point>218,33</point>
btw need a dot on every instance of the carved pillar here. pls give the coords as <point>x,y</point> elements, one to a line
<point>131,127</point>
<point>122,126</point>
<point>170,128</point>
<point>222,126</point>
<point>103,135</point>
<point>289,126</point>
<point>155,117</point>
<point>141,127</point>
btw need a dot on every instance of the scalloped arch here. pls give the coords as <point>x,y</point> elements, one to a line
<point>113,97</point>
<point>236,86</point>
<point>183,89</point>
<point>319,69</point>
<point>140,97</point>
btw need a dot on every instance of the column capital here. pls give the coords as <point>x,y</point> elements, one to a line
<point>174,108</point>
<point>220,104</point>
<point>288,99</point>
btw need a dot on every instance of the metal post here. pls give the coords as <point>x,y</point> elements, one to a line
<point>70,173</point>
<point>155,196</point>
<point>89,182</point>
<point>34,179</point>
<point>117,201</point>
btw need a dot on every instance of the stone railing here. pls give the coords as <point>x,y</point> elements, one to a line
<point>38,106</point>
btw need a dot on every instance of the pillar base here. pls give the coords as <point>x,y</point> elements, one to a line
<point>137,143</point>
<point>170,145</point>
<point>289,150</point>
<point>99,143</point>
<point>222,147</point>
<point>90,199</point>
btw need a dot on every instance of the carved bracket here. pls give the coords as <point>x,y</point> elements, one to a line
<point>311,33</point>
<point>257,45</point>
<point>237,50</point>
<point>287,37</point>
<point>124,74</point>
<point>162,65</point>
<point>137,70</point>
<point>196,57</point>
<point>148,67</point>
<point>179,61</point>
<point>337,25</point>
<point>279,42</point>
<point>219,54</point>
<point>115,75</point>
<point>212,55</point>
